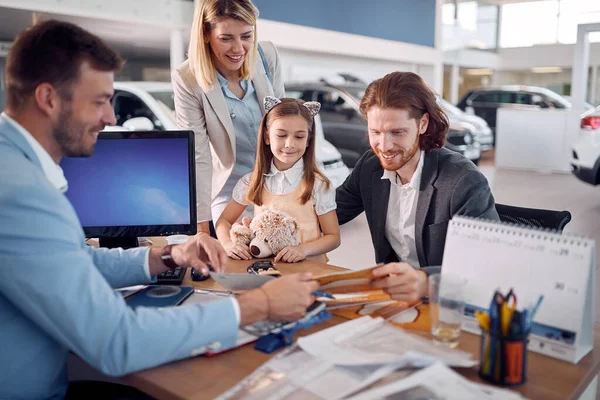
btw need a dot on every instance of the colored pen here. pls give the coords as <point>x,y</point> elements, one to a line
<point>537,306</point>
<point>318,293</point>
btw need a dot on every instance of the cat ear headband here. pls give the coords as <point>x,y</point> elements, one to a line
<point>270,102</point>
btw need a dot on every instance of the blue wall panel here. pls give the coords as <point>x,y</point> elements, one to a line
<point>410,21</point>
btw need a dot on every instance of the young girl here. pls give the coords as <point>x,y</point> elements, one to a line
<point>286,178</point>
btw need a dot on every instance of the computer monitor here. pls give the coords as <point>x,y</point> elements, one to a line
<point>135,184</point>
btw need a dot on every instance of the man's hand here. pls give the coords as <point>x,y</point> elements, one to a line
<point>401,281</point>
<point>288,297</point>
<point>238,251</point>
<point>199,250</point>
<point>291,254</point>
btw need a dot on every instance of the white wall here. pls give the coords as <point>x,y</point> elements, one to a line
<point>472,58</point>
<point>304,49</point>
<point>303,65</point>
<point>556,55</point>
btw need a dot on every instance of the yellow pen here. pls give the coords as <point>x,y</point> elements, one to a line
<point>483,319</point>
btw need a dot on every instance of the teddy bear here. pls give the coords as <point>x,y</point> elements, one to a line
<point>267,233</point>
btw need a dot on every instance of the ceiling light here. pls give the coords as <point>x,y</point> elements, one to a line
<point>480,71</point>
<point>546,70</point>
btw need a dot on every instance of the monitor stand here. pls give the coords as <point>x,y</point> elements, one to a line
<point>114,242</point>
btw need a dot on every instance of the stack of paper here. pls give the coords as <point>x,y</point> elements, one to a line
<point>371,341</point>
<point>295,374</point>
<point>437,382</point>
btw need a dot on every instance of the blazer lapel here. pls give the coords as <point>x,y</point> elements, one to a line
<point>217,101</point>
<point>380,189</point>
<point>428,177</point>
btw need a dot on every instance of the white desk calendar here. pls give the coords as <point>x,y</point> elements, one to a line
<point>561,267</point>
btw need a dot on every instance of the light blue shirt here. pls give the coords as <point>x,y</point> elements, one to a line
<point>246,115</point>
<point>57,294</point>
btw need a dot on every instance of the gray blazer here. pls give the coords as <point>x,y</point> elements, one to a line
<point>450,185</point>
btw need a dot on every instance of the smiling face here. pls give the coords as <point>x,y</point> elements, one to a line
<point>230,41</point>
<point>85,114</point>
<point>288,139</point>
<point>394,136</point>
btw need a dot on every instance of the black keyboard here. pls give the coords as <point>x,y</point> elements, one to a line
<point>171,277</point>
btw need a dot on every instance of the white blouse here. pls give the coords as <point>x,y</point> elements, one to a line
<point>284,182</point>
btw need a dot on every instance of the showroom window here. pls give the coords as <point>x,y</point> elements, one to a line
<point>546,22</point>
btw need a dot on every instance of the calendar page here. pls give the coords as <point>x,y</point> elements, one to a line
<point>493,255</point>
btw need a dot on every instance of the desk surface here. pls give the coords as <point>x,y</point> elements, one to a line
<point>207,377</point>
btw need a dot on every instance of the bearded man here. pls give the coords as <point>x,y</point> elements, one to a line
<point>409,185</point>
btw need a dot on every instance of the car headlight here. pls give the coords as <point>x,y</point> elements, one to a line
<point>468,138</point>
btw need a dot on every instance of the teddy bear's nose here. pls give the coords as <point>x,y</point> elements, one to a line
<point>254,250</point>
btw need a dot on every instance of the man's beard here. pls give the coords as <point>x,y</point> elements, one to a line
<point>70,135</point>
<point>404,156</point>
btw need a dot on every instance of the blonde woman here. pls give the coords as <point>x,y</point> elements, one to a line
<point>218,94</point>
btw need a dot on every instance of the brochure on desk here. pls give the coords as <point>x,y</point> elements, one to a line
<point>561,267</point>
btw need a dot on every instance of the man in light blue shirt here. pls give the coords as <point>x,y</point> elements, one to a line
<point>57,294</point>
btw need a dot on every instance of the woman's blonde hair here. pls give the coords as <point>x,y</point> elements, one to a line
<point>207,14</point>
<point>264,156</point>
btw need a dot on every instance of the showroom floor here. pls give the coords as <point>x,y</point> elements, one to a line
<point>520,188</point>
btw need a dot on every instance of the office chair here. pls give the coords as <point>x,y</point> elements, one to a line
<point>546,219</point>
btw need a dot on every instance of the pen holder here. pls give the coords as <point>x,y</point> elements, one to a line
<point>503,359</point>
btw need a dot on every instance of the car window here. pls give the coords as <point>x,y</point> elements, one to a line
<point>331,100</point>
<point>306,95</point>
<point>128,105</point>
<point>525,98</point>
<point>494,97</point>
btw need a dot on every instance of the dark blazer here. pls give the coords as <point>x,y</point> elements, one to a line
<point>450,185</point>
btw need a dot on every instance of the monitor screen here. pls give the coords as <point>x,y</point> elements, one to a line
<point>135,184</point>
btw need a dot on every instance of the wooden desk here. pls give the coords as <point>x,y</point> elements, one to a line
<point>207,377</point>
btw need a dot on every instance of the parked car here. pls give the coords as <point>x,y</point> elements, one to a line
<point>585,157</point>
<point>150,106</point>
<point>479,127</point>
<point>346,129</point>
<point>484,102</point>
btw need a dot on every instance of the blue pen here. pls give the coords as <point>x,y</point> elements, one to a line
<point>525,321</point>
<point>494,327</point>
<point>318,293</point>
<point>537,306</point>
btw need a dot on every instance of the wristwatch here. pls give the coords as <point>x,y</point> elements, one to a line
<point>166,257</point>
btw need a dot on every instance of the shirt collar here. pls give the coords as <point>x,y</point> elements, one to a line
<point>293,174</point>
<point>53,171</point>
<point>415,181</point>
<point>224,83</point>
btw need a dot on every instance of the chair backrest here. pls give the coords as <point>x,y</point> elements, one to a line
<point>546,219</point>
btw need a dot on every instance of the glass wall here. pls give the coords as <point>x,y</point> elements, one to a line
<point>471,26</point>
<point>546,22</point>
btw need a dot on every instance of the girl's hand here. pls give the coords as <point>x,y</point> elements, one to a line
<point>238,251</point>
<point>291,254</point>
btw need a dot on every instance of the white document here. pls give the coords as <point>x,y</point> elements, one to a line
<point>294,374</point>
<point>437,382</point>
<point>130,290</point>
<point>373,341</point>
<point>240,281</point>
<point>561,267</point>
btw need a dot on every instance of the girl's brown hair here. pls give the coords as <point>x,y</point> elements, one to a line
<point>408,91</point>
<point>287,108</point>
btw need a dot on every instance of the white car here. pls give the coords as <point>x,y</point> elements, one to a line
<point>150,106</point>
<point>474,124</point>
<point>585,158</point>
